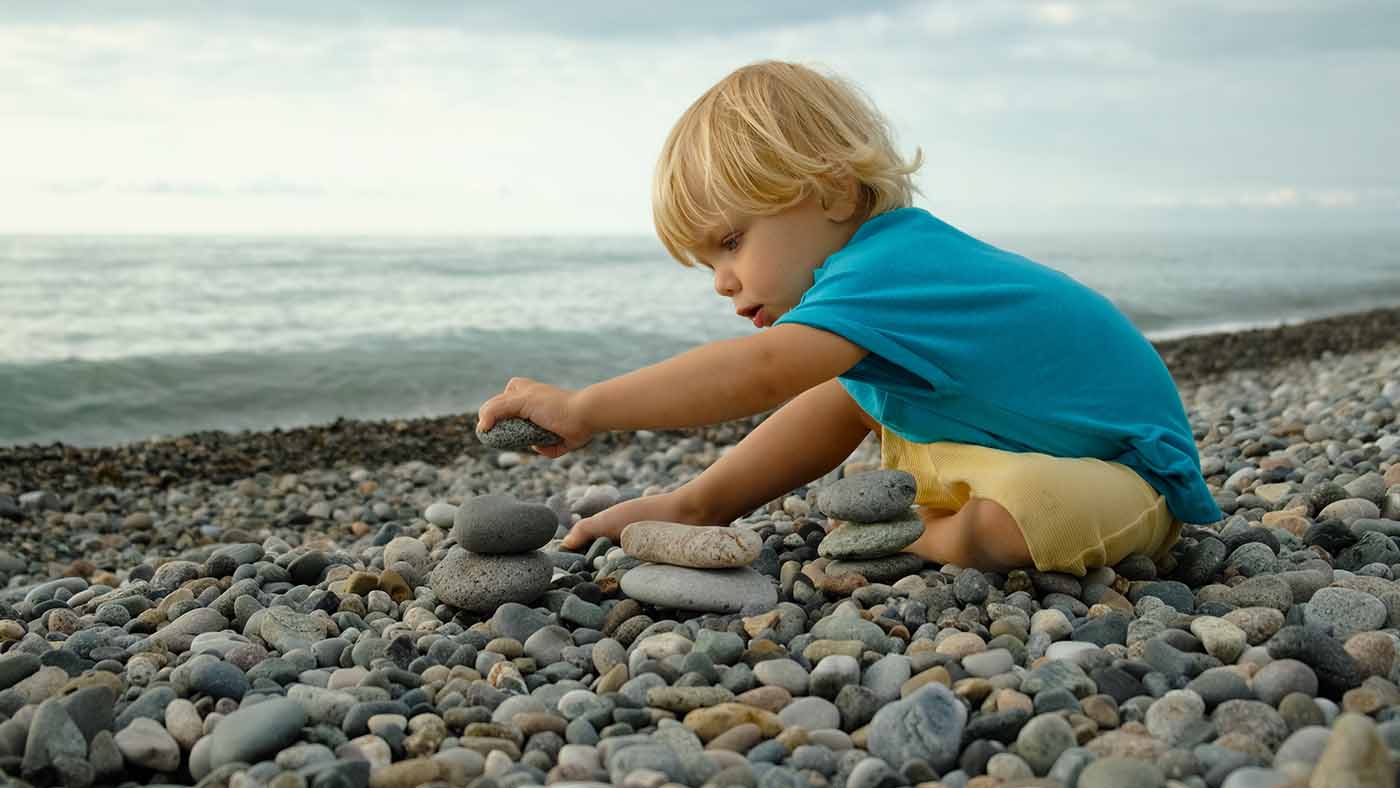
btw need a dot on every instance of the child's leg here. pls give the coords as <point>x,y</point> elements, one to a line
<point>1000,510</point>
<point>981,534</point>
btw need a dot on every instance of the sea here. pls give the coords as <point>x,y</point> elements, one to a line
<point>108,340</point>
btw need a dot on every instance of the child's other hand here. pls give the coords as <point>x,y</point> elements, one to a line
<point>550,407</point>
<point>667,507</point>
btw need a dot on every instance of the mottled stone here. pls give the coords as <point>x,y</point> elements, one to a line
<point>517,435</point>
<point>869,497</point>
<point>481,583</point>
<point>693,546</point>
<point>927,725</point>
<point>856,541</point>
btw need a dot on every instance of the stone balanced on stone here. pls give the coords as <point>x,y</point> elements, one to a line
<point>694,567</point>
<point>497,557</point>
<point>517,435</point>
<point>875,522</point>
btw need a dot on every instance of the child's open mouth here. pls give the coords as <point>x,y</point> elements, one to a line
<point>755,314</point>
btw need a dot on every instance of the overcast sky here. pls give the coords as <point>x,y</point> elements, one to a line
<point>546,117</point>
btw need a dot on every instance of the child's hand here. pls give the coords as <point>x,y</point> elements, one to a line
<point>551,407</point>
<point>667,507</point>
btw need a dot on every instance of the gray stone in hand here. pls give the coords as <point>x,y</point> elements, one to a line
<point>872,497</point>
<point>517,435</point>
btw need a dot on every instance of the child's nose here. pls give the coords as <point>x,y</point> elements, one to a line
<point>726,283</point>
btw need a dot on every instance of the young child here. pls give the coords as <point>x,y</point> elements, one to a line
<point>1042,428</point>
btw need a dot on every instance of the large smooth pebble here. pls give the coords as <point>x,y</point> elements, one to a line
<point>499,524</point>
<point>481,583</point>
<point>685,588</point>
<point>253,733</point>
<point>872,497</point>
<point>700,547</point>
<point>855,541</point>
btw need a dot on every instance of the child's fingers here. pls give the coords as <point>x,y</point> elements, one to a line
<point>579,535</point>
<point>493,410</point>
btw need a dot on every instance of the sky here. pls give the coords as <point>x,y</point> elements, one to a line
<point>543,118</point>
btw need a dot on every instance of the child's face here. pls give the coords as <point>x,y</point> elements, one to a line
<point>765,263</point>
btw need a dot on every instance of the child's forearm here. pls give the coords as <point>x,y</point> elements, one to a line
<point>719,381</point>
<point>808,437</point>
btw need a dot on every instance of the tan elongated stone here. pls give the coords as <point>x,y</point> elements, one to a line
<point>699,547</point>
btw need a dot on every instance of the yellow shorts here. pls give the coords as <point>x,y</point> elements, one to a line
<point>1075,513</point>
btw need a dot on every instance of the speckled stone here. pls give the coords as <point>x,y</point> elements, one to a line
<point>517,435</point>
<point>869,497</point>
<point>483,582</point>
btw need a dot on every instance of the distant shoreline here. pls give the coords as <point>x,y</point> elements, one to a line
<point>222,457</point>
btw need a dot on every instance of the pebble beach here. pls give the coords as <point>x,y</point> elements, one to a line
<point>386,604</point>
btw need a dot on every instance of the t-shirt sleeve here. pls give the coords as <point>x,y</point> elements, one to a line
<point>869,305</point>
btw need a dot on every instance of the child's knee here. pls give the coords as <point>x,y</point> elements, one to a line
<point>992,534</point>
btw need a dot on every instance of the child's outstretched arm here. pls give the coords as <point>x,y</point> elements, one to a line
<point>715,382</point>
<point>806,438</point>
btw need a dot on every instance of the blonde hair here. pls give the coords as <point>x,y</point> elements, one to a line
<point>762,140</point>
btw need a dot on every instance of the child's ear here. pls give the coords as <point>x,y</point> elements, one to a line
<point>841,199</point>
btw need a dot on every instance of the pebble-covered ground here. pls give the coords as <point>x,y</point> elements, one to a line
<point>181,617</point>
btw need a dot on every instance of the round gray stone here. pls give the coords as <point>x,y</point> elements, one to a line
<point>1279,678</point>
<point>811,713</point>
<point>1043,739</point>
<point>441,514</point>
<point>854,541</point>
<point>255,733</point>
<point>499,524</point>
<point>927,725</point>
<point>219,680</point>
<point>869,497</point>
<point>1175,716</point>
<point>1348,611</point>
<point>713,590</point>
<point>480,583</point>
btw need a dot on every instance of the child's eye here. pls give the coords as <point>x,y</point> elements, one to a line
<point>730,242</point>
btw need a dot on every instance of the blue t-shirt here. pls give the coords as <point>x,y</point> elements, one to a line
<point>972,344</point>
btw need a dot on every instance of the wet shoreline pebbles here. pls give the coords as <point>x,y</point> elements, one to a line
<point>292,629</point>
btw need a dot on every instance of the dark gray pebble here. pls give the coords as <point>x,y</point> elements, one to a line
<point>870,497</point>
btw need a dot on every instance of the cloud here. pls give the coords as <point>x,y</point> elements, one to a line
<point>611,20</point>
<point>183,188</point>
<point>530,117</point>
<point>1279,197</point>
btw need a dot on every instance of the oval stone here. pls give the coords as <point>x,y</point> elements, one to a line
<point>700,547</point>
<point>253,733</point>
<point>685,588</point>
<point>481,583</point>
<point>869,497</point>
<point>499,524</point>
<point>285,629</point>
<point>856,541</point>
<point>517,435</point>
